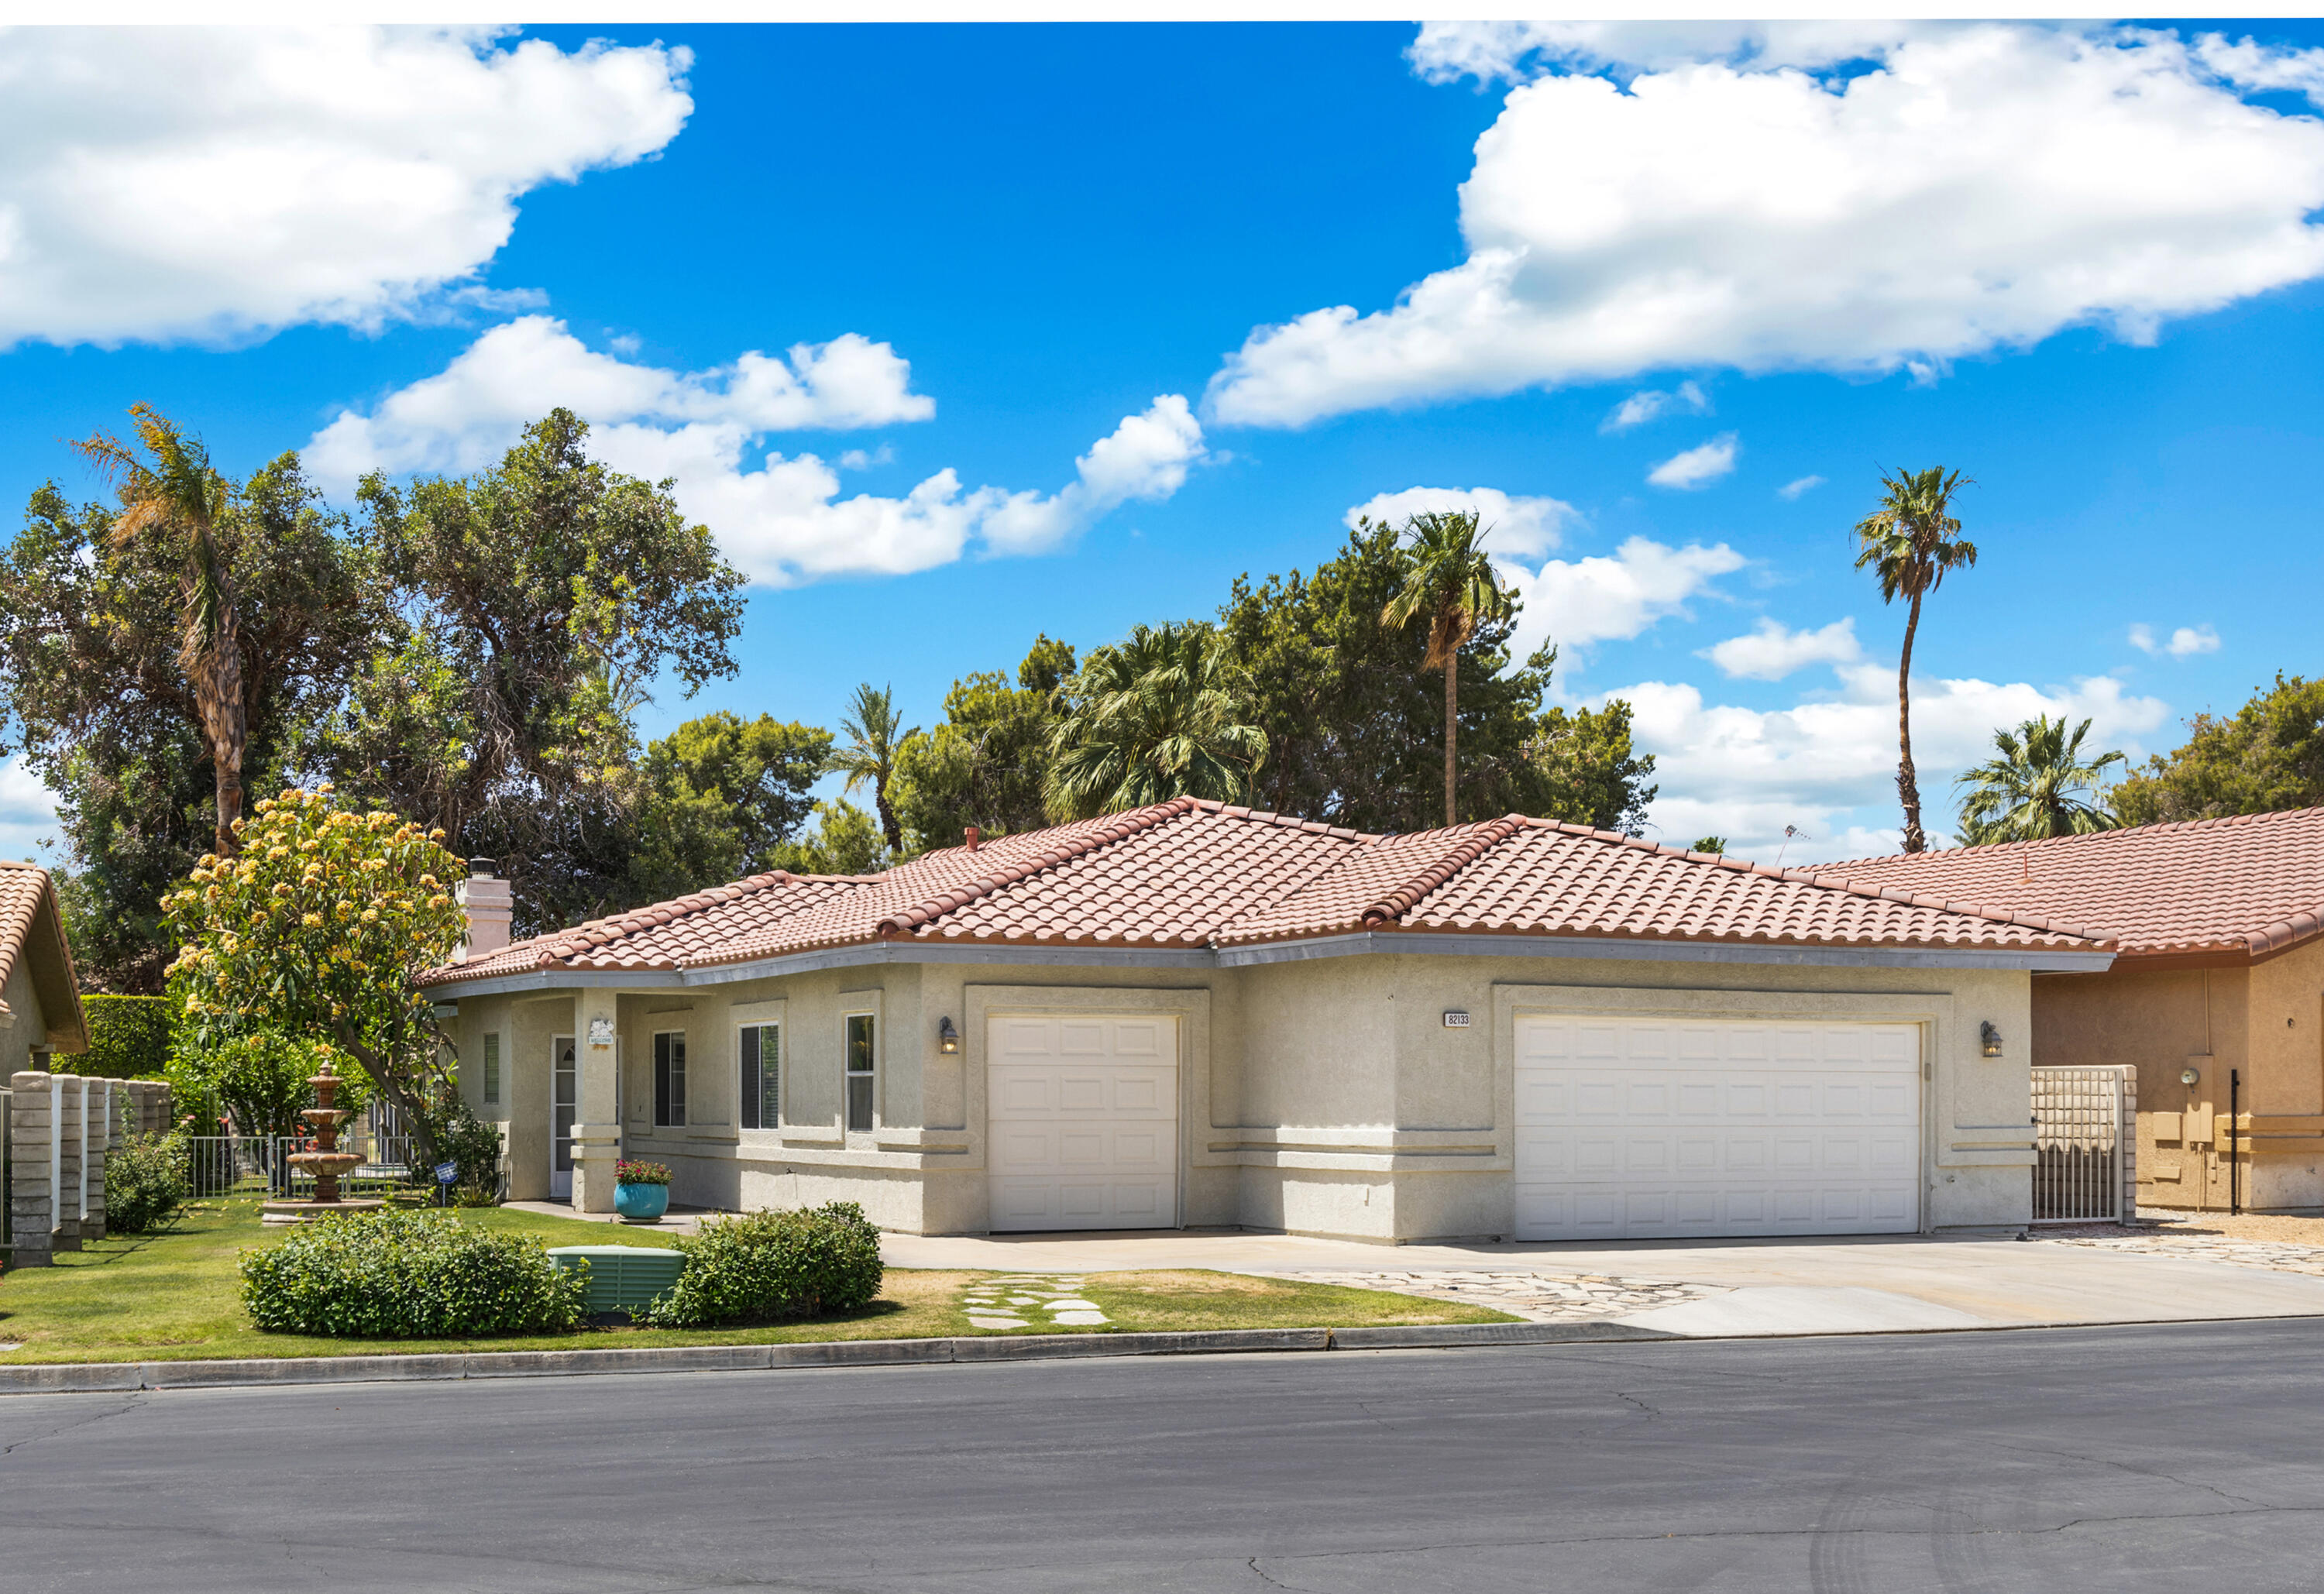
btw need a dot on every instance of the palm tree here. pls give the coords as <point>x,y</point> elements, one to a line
<point>1448,579</point>
<point>172,497</point>
<point>1156,716</point>
<point>874,731</point>
<point>2032,790</point>
<point>1911,540</point>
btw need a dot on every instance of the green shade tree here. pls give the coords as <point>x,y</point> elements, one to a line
<point>540,597</point>
<point>1714,844</point>
<point>874,733</point>
<point>1158,715</point>
<point>2042,784</point>
<point>97,697</point>
<point>845,840</point>
<point>2266,757</point>
<point>1447,580</point>
<point>986,764</point>
<point>1590,772</point>
<point>1355,726</point>
<point>723,797</point>
<point>1909,542</point>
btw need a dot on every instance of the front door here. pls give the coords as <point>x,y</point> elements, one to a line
<point>565,1091</point>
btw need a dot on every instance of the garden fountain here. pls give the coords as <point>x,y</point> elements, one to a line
<point>327,1162</point>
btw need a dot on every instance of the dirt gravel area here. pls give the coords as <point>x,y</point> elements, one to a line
<point>2274,1227</point>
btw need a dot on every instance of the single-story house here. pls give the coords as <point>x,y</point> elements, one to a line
<point>1199,1015</point>
<point>2216,993</point>
<point>40,995</point>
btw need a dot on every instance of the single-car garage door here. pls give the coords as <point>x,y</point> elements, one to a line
<point>1647,1128</point>
<point>1084,1115</point>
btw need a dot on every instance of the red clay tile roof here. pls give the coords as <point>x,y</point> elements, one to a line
<point>2243,887</point>
<point>1193,875</point>
<point>32,934</point>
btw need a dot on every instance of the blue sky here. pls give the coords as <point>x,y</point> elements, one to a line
<point>2082,267</point>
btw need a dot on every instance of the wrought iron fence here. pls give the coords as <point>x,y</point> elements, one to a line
<point>2082,1146</point>
<point>260,1165</point>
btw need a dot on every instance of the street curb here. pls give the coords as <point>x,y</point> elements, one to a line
<point>124,1377</point>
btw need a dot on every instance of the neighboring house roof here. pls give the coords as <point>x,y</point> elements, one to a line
<point>1194,876</point>
<point>2243,887</point>
<point>33,937</point>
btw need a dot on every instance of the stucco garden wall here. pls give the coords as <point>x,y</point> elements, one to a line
<point>2264,1020</point>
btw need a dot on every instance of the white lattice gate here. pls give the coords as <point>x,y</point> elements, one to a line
<point>2083,1144</point>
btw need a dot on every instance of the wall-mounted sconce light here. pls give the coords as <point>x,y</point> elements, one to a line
<point>947,1038</point>
<point>1989,1038</point>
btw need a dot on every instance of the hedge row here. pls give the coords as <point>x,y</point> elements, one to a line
<point>128,1038</point>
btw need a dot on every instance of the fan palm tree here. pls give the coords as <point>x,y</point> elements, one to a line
<point>874,730</point>
<point>1155,716</point>
<point>1448,579</point>
<point>1909,542</point>
<point>174,499</point>
<point>2038,788</point>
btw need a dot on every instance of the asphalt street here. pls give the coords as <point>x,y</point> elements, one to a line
<point>2164,1458</point>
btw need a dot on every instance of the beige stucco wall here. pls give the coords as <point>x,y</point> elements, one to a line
<point>1323,1096</point>
<point>24,1028</point>
<point>2263,1021</point>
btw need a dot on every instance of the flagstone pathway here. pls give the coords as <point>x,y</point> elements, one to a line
<point>1032,1300</point>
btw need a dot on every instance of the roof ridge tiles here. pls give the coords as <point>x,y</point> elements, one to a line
<point>906,920</point>
<point>1400,901</point>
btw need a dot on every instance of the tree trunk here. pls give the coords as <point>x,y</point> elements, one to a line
<point>888,828</point>
<point>409,1104</point>
<point>1908,786</point>
<point>225,727</point>
<point>1452,732</point>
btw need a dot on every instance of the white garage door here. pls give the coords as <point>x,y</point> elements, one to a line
<point>1083,1114</point>
<point>1640,1128</point>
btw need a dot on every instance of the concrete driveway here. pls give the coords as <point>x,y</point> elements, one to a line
<point>1706,1287</point>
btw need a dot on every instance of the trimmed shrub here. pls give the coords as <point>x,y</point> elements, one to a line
<point>128,1036</point>
<point>144,1182</point>
<point>408,1275</point>
<point>765,1266</point>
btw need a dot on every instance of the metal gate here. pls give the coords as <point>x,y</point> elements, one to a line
<point>2082,1154</point>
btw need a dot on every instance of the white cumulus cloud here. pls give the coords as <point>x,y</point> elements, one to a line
<point>779,518</point>
<point>1985,187</point>
<point>1652,403</point>
<point>2183,643</point>
<point>1698,466</point>
<point>222,183</point>
<point>1770,651</point>
<point>1517,526</point>
<point>1575,602</point>
<point>1829,763</point>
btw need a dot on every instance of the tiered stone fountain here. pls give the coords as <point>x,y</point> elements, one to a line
<point>327,1162</point>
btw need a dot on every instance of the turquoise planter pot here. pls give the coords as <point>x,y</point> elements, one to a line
<point>640,1204</point>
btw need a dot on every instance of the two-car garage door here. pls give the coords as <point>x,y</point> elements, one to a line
<point>1084,1121</point>
<point>1636,1128</point>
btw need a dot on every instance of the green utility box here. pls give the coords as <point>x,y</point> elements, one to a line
<point>622,1277</point>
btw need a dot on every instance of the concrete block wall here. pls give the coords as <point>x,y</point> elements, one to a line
<point>31,1205</point>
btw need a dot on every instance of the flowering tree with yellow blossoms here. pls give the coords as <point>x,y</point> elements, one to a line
<point>314,930</point>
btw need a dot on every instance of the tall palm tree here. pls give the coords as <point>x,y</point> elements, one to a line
<point>874,730</point>
<point>2038,788</point>
<point>1157,716</point>
<point>174,498</point>
<point>1447,578</point>
<point>1909,542</point>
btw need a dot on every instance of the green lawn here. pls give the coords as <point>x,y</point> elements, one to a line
<point>175,1296</point>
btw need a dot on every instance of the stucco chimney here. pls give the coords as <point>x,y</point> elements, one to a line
<point>484,898</point>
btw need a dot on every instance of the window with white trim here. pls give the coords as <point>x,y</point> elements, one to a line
<point>760,1049</point>
<point>669,1079</point>
<point>862,1059</point>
